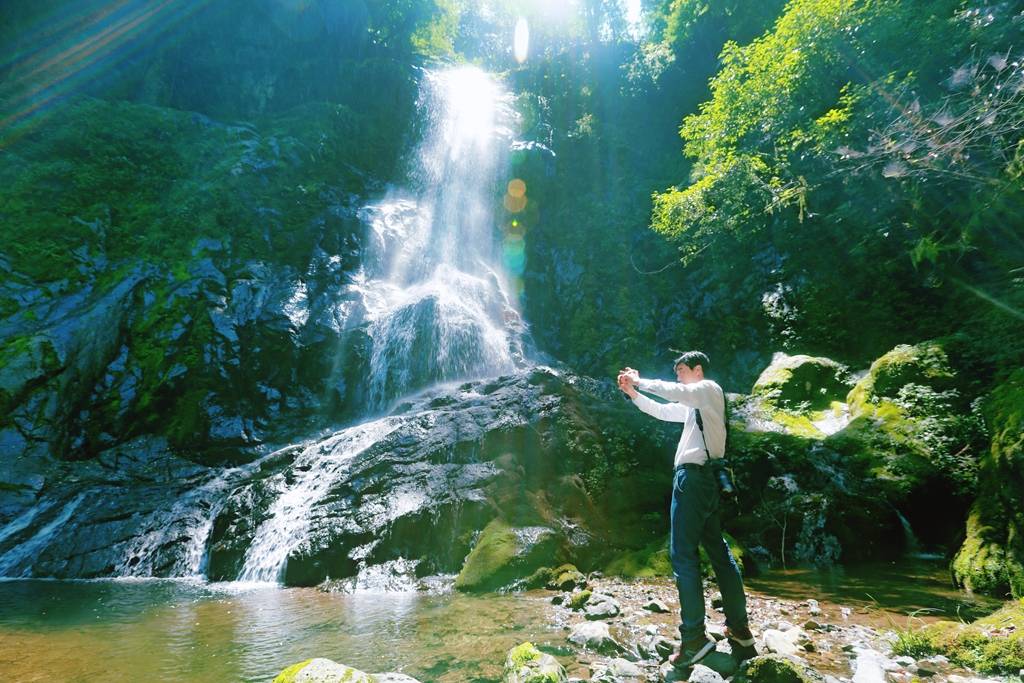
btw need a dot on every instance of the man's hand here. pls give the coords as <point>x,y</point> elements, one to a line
<point>626,384</point>
<point>631,375</point>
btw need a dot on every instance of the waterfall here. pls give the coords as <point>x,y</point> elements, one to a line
<point>316,469</point>
<point>185,528</point>
<point>18,560</point>
<point>435,303</point>
<point>434,293</point>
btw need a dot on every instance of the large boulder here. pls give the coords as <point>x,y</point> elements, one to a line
<point>320,670</point>
<point>802,383</point>
<point>991,559</point>
<point>503,554</point>
<point>917,427</point>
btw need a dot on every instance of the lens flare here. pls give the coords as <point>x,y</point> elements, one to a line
<point>516,188</point>
<point>521,40</point>
<point>514,204</point>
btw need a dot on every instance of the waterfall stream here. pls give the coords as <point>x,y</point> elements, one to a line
<point>433,293</point>
<point>433,300</point>
<point>433,289</point>
<point>317,468</point>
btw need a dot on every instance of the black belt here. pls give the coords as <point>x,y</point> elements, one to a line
<point>688,466</point>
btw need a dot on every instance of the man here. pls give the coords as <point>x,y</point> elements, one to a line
<point>699,404</point>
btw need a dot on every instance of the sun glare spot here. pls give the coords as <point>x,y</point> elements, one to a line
<point>521,40</point>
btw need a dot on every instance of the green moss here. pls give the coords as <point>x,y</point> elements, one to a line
<point>25,362</point>
<point>924,364</point>
<point>141,182</point>
<point>991,558</point>
<point>983,563</point>
<point>801,383</point>
<point>566,577</point>
<point>489,558</point>
<point>288,675</point>
<point>991,645</point>
<point>645,562</point>
<point>521,655</point>
<point>797,425</point>
<point>772,669</point>
<point>578,600</point>
<point>525,657</point>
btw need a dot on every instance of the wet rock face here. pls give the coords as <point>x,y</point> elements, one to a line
<point>383,503</point>
<point>217,354</point>
<point>496,482</point>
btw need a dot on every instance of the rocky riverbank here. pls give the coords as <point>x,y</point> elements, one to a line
<point>623,631</point>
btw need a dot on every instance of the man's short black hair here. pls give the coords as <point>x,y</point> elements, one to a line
<point>692,359</point>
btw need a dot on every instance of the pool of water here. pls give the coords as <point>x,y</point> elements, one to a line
<point>179,631</point>
<point>881,595</point>
<point>172,631</point>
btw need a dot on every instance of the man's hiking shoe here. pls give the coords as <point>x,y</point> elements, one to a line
<point>691,652</point>
<point>741,640</point>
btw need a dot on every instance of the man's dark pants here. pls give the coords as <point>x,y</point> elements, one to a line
<point>695,521</point>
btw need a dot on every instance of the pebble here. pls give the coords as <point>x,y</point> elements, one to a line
<point>594,635</point>
<point>602,606</point>
<point>619,669</point>
<point>868,667</point>
<point>656,606</point>
<point>780,642</point>
<point>702,674</point>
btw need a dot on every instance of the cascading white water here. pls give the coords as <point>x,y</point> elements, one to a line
<point>434,292</point>
<point>18,560</point>
<point>317,468</point>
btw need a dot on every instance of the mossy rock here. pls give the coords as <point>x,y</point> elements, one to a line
<point>984,563</point>
<point>990,645</point>
<point>320,670</point>
<point>526,664</point>
<point>775,669</point>
<point>991,559</point>
<point>649,561</point>
<point>653,560</point>
<point>578,600</point>
<point>802,382</point>
<point>563,578</point>
<point>924,364</point>
<point>24,362</point>
<point>504,554</point>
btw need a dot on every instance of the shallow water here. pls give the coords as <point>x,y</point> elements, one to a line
<point>880,595</point>
<point>173,631</point>
<point>164,630</point>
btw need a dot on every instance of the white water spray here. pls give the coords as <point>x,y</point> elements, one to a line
<point>435,295</point>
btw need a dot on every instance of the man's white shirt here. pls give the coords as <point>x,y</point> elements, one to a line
<point>705,396</point>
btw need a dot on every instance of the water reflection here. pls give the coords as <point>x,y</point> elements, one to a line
<point>886,590</point>
<point>180,631</point>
